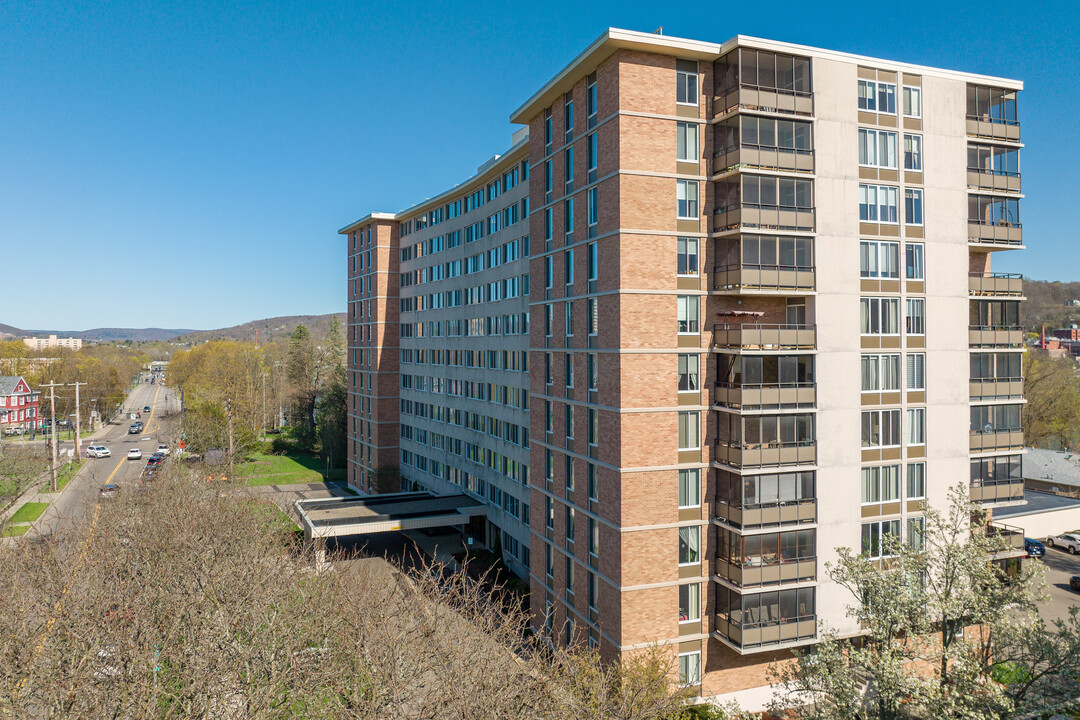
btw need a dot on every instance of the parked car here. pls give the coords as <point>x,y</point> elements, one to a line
<point>1034,548</point>
<point>14,430</point>
<point>1066,541</point>
<point>108,491</point>
<point>163,449</point>
<point>146,408</point>
<point>1074,582</point>
<point>134,454</point>
<point>98,451</point>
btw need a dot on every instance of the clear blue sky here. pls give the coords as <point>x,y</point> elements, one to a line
<point>187,164</point>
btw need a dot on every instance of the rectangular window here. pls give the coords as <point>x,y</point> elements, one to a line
<point>868,95</point>
<point>913,205</point>
<point>591,316</point>
<point>880,484</point>
<point>594,427</point>
<point>880,373</point>
<point>568,117</point>
<point>689,545</point>
<point>568,266</point>
<point>913,152</point>
<point>591,261</point>
<point>686,193</point>
<point>689,426</point>
<point>549,223</point>
<point>594,371</point>
<point>689,488</point>
<point>686,142</point>
<point>916,481</point>
<point>879,259</point>
<point>548,127</point>
<point>686,82</point>
<point>690,602</point>
<point>877,148</point>
<point>690,669</point>
<point>593,210</point>
<point>687,250</point>
<point>569,422</point>
<point>880,428</point>
<point>916,426</point>
<point>594,489</point>
<point>886,98</point>
<point>916,533</point>
<point>688,314</point>
<point>570,518</point>
<point>879,316</point>
<point>688,373</point>
<point>912,101</point>
<point>568,168</point>
<point>878,203</point>
<point>594,536</point>
<point>874,538</point>
<point>590,99</point>
<point>916,316</point>
<point>916,371</point>
<point>914,261</point>
<point>568,216</point>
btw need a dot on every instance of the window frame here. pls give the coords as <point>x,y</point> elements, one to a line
<point>689,488</point>
<point>907,93</point>
<point>686,198</point>
<point>915,434</point>
<point>690,538</point>
<point>878,247</point>
<point>895,424</point>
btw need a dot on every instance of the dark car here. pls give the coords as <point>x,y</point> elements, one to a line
<point>1034,548</point>
<point>1074,582</point>
<point>134,429</point>
<point>146,409</point>
<point>108,491</point>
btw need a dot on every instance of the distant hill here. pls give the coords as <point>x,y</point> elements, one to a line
<point>268,329</point>
<point>101,334</point>
<point>1045,304</point>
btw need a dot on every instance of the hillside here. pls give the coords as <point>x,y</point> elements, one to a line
<point>269,329</point>
<point>1045,304</point>
<point>101,334</point>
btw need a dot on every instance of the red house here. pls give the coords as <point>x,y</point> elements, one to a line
<point>18,406</point>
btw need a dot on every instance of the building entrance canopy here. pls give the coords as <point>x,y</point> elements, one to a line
<point>342,516</point>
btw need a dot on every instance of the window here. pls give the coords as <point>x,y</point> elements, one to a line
<point>594,536</point>
<point>990,104</point>
<point>688,373</point>
<point>880,428</point>
<point>867,95</point>
<point>686,193</point>
<point>569,366</point>
<point>568,116</point>
<point>916,316</point>
<point>568,266</point>
<point>686,142</point>
<point>986,210</point>
<point>594,426</point>
<point>995,418</point>
<point>766,192</point>
<point>690,602</point>
<point>689,488</point>
<point>912,101</point>
<point>880,484</point>
<point>877,96</point>
<point>687,249</point>
<point>570,518</point>
<point>878,203</point>
<point>768,251</point>
<point>913,152</point>
<point>568,216</point>
<point>590,156</point>
<point>569,422</point>
<point>994,160</point>
<point>568,168</point>
<point>689,426</point>
<point>590,99</point>
<point>914,261</point>
<point>550,522</point>
<point>569,572</point>
<point>916,481</point>
<point>880,373</point>
<point>591,261</point>
<point>688,314</point>
<point>549,223</point>
<point>549,272</point>
<point>770,490</point>
<point>874,538</point>
<point>593,371</point>
<point>916,533</point>
<point>879,259</point>
<point>916,371</point>
<point>593,210</point>
<point>880,316</point>
<point>877,148</point>
<point>916,426</point>
<point>686,82</point>
<point>548,128</point>
<point>690,668</point>
<point>767,70</point>
<point>594,489</point>
<point>913,206</point>
<point>996,470</point>
<point>689,545</point>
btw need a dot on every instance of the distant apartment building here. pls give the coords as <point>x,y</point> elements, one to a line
<point>712,319</point>
<point>52,341</point>
<point>19,410</point>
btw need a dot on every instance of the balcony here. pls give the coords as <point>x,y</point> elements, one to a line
<point>762,636</point>
<point>996,388</point>
<point>763,157</point>
<point>1002,233</point>
<point>995,285</point>
<point>757,397</point>
<point>993,180</point>
<point>783,279</point>
<point>766,455</point>
<point>1012,537</point>
<point>767,217</point>
<point>765,337</point>
<point>983,126</point>
<point>757,572</point>
<point>995,337</point>
<point>990,494</point>
<point>789,513</point>
<point>1010,439</point>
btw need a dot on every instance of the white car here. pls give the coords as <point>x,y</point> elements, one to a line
<point>1066,541</point>
<point>163,449</point>
<point>134,454</point>
<point>98,451</point>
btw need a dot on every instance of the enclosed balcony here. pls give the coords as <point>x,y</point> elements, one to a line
<point>992,113</point>
<point>765,621</point>
<point>996,427</point>
<point>996,376</point>
<point>764,263</point>
<point>761,441</point>
<point>997,479</point>
<point>996,285</point>
<point>764,81</point>
<point>995,323</point>
<point>765,336</point>
<point>993,167</point>
<point>747,141</point>
<point>768,559</point>
<point>994,221</point>
<point>765,202</point>
<point>755,382</point>
<point>997,493</point>
<point>759,501</point>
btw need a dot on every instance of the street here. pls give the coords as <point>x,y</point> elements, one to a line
<point>1060,566</point>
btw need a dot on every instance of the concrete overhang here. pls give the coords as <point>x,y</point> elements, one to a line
<point>366,219</point>
<point>362,515</point>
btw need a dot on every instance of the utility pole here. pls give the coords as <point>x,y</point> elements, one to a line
<point>78,417</point>
<point>52,404</point>
<point>228,414</point>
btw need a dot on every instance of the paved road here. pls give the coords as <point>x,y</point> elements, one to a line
<point>81,493</point>
<point>1060,566</point>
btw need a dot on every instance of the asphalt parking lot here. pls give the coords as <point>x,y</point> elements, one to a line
<point>1060,566</point>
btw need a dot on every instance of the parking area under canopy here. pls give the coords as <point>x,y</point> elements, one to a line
<point>361,515</point>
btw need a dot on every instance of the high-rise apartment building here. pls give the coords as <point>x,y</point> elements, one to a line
<point>726,309</point>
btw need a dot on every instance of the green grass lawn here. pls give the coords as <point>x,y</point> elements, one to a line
<point>14,530</point>
<point>29,512</point>
<point>65,473</point>
<point>266,469</point>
